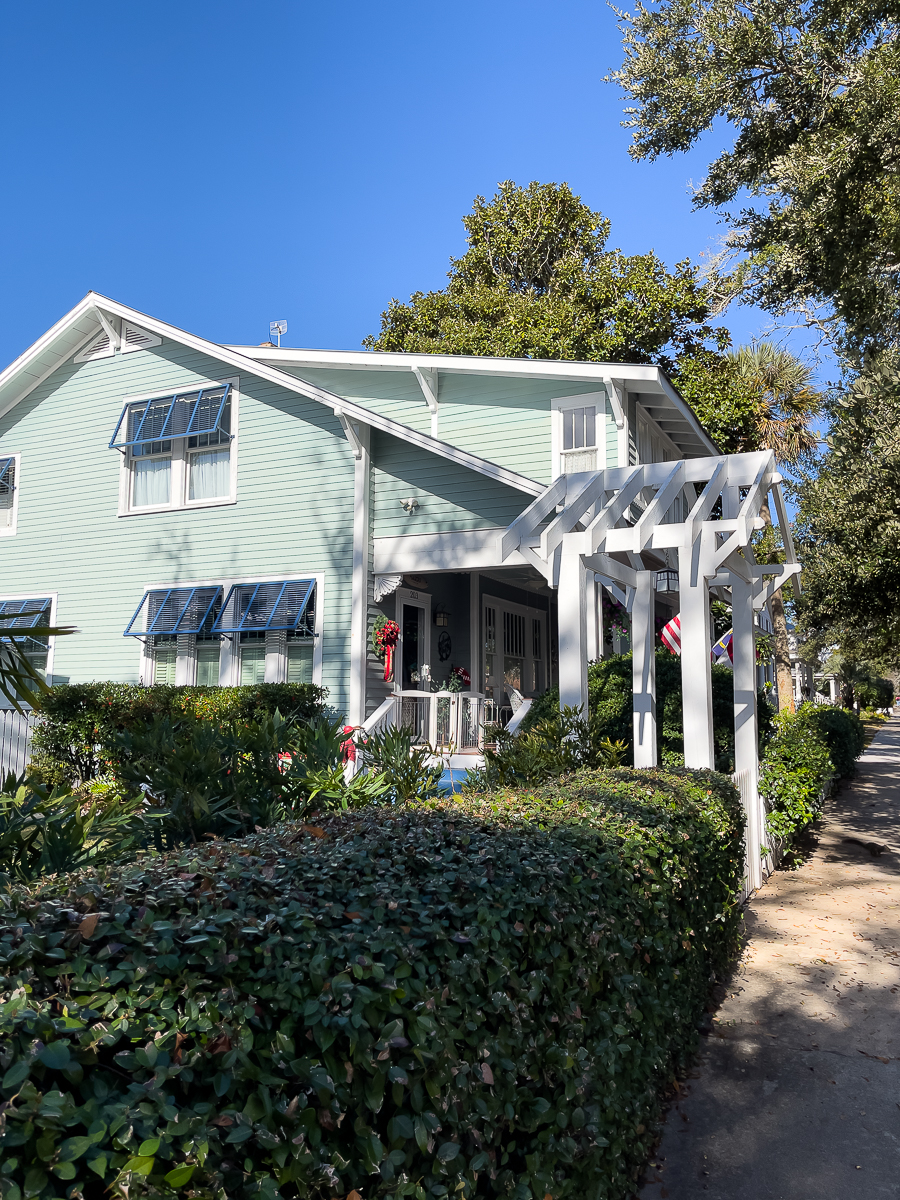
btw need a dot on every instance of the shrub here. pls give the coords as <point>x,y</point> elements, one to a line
<point>842,732</point>
<point>610,708</point>
<point>226,779</point>
<point>79,723</point>
<point>453,998</point>
<point>43,832</point>
<point>554,746</point>
<point>795,776</point>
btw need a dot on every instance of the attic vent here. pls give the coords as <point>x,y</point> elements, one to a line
<point>135,338</point>
<point>100,347</point>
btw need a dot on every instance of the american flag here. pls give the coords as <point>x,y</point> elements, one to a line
<point>671,635</point>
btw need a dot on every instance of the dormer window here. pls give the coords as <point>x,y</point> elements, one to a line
<point>578,428</point>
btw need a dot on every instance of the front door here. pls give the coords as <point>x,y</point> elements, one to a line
<point>414,649</point>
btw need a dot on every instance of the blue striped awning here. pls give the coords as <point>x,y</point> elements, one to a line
<point>173,611</point>
<point>184,414</point>
<point>261,607</point>
<point>16,616</point>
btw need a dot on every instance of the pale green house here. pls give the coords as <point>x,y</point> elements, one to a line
<point>224,514</point>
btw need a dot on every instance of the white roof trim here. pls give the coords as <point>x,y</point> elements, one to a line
<point>71,332</point>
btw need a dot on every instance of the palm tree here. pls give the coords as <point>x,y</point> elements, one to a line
<point>788,404</point>
<point>20,679</point>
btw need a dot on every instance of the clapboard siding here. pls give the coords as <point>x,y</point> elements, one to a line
<point>450,497</point>
<point>504,420</point>
<point>294,510</point>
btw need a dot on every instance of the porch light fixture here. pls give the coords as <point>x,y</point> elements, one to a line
<point>410,504</point>
<point>667,581</point>
<point>441,617</point>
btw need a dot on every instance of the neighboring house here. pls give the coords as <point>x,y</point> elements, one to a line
<point>234,514</point>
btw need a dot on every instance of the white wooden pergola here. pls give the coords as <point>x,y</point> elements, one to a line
<point>617,528</point>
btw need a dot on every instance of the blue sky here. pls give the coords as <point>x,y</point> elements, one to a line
<point>221,165</point>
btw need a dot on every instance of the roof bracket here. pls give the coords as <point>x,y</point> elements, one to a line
<point>428,382</point>
<point>615,403</point>
<point>108,328</point>
<point>350,430</point>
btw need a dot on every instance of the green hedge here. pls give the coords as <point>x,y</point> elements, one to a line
<point>610,707</point>
<point>462,998</point>
<point>79,723</point>
<point>809,750</point>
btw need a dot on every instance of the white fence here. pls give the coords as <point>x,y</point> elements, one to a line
<point>15,741</point>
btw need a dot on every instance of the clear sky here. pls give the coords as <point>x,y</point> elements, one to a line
<point>220,165</point>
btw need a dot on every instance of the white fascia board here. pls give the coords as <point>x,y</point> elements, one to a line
<point>375,360</point>
<point>261,370</point>
<point>53,348</point>
<point>460,550</point>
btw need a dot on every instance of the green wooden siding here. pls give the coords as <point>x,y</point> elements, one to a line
<point>393,394</point>
<point>294,510</point>
<point>450,497</point>
<point>505,420</point>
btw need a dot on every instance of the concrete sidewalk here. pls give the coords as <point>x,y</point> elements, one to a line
<point>796,1090</point>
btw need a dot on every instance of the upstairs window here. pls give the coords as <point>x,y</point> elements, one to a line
<point>8,494</point>
<point>579,432</point>
<point>177,449</point>
<point>579,440</point>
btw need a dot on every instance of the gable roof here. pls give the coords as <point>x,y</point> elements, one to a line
<point>91,315</point>
<point>653,387</point>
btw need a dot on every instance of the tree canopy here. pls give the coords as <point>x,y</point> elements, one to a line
<point>538,281</point>
<point>848,523</point>
<point>811,187</point>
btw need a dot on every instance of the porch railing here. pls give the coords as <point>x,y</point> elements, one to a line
<point>444,719</point>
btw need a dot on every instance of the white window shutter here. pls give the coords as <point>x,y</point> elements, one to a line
<point>99,347</point>
<point>135,338</point>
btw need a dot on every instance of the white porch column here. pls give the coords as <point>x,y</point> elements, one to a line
<point>594,617</point>
<point>696,679</point>
<point>572,610</point>
<point>359,605</point>
<point>643,669</point>
<point>746,747</point>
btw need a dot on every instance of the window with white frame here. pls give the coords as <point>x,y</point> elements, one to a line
<point>178,450</point>
<point>8,494</point>
<point>578,429</point>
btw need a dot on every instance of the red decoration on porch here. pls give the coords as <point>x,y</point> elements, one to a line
<point>385,637</point>
<point>462,675</point>
<point>348,748</point>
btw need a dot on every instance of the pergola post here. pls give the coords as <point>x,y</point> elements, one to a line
<point>746,745</point>
<point>572,621</point>
<point>696,677</point>
<point>643,669</point>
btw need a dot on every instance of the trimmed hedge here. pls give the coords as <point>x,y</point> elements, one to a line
<point>610,707</point>
<point>80,722</point>
<point>809,750</point>
<point>468,998</point>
